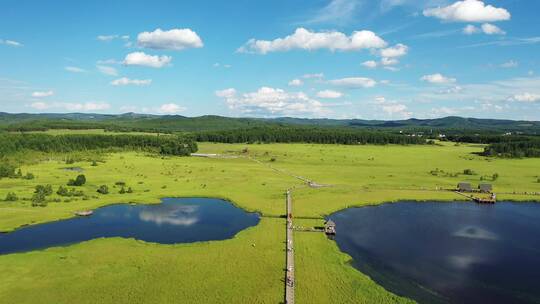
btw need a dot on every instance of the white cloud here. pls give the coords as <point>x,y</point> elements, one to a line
<point>509,64</point>
<point>11,43</point>
<point>443,111</point>
<point>108,38</point>
<point>304,39</point>
<point>468,11</point>
<point>39,105</point>
<point>400,109</point>
<point>451,90</point>
<point>74,69</point>
<point>107,70</point>
<point>354,82</point>
<point>268,101</point>
<point>88,106</point>
<point>296,83</point>
<point>126,81</point>
<point>313,76</point>
<point>83,107</point>
<point>486,28</point>
<point>371,64</point>
<point>437,79</point>
<point>389,61</point>
<point>40,94</point>
<point>175,39</point>
<point>525,97</point>
<point>329,94</point>
<point>392,108</point>
<point>227,93</point>
<point>491,29</point>
<point>397,50</point>
<point>143,59</point>
<point>170,108</point>
<point>471,29</point>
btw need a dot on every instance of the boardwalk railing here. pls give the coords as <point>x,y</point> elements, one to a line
<point>289,273</point>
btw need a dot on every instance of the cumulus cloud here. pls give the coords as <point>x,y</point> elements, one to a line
<point>296,83</point>
<point>10,43</point>
<point>389,61</point>
<point>486,28</point>
<point>397,50</point>
<point>525,97</point>
<point>126,81</point>
<point>74,69</point>
<point>79,107</point>
<point>491,29</point>
<point>437,79</point>
<point>107,70</point>
<point>392,108</point>
<point>268,101</point>
<point>170,108</point>
<point>470,29</point>
<point>39,105</point>
<point>175,39</point>
<point>371,64</point>
<point>304,39</point>
<point>329,94</point>
<point>354,82</point>
<point>468,11</point>
<point>40,94</point>
<point>143,59</point>
<point>226,93</point>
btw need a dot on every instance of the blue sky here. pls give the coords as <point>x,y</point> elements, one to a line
<point>376,59</point>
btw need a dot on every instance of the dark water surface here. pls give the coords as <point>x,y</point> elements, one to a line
<point>175,220</point>
<point>447,252</point>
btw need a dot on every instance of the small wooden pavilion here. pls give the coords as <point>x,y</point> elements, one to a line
<point>464,187</point>
<point>485,188</point>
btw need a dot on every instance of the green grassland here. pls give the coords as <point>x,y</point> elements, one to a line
<point>249,267</point>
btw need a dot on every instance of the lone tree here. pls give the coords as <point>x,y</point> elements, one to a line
<point>103,189</point>
<point>11,197</point>
<point>79,181</point>
<point>40,195</point>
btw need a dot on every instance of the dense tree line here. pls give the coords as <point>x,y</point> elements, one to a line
<point>487,138</point>
<point>514,149</point>
<point>306,135</point>
<point>169,145</point>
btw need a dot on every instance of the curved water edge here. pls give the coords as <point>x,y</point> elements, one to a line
<point>173,221</point>
<point>446,253</point>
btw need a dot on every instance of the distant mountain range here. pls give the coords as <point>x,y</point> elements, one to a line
<point>212,122</point>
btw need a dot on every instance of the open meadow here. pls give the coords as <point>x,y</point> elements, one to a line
<point>248,268</point>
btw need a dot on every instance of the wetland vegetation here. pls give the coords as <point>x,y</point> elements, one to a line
<point>253,177</point>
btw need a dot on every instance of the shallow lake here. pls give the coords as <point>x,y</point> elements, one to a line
<point>175,220</point>
<point>447,252</point>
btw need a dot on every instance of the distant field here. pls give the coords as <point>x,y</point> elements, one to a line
<point>234,271</point>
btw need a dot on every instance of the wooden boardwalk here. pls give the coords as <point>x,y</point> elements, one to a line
<point>289,273</point>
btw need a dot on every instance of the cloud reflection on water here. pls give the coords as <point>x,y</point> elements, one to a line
<point>476,233</point>
<point>183,215</point>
